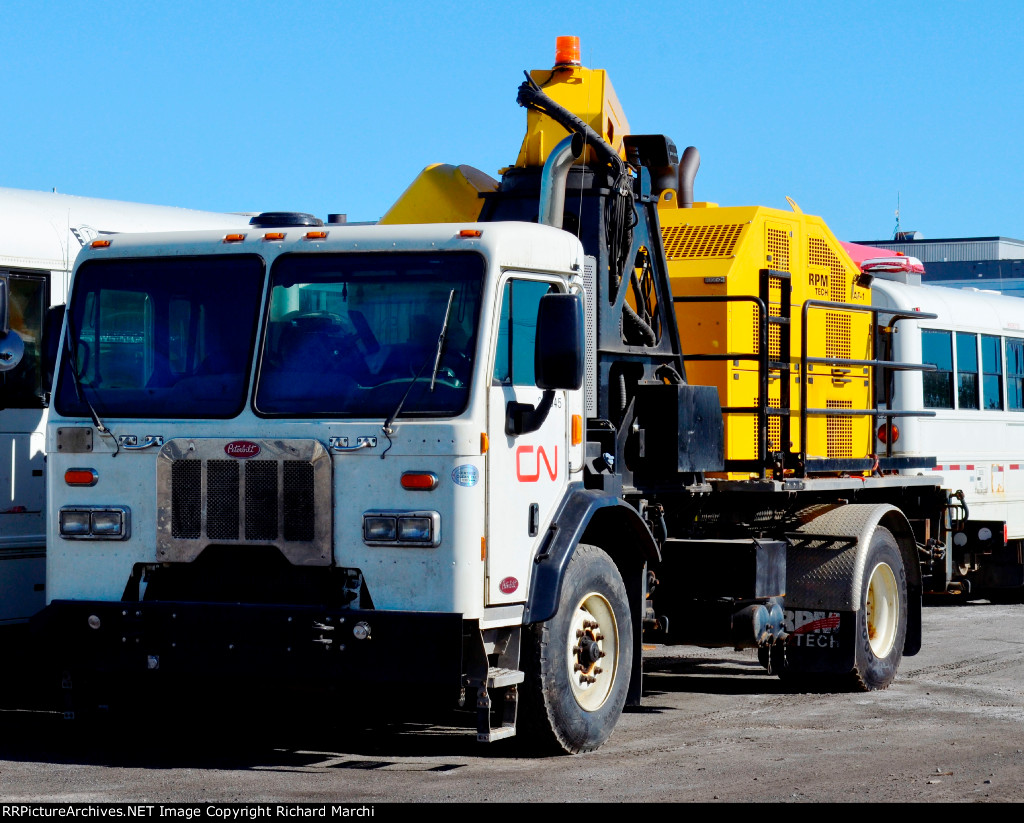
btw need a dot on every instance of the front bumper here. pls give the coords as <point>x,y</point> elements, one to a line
<point>265,642</point>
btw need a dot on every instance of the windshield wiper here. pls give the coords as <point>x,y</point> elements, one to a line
<point>441,338</point>
<point>72,357</point>
<point>387,427</point>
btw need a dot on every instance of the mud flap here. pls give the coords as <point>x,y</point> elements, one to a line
<point>818,641</point>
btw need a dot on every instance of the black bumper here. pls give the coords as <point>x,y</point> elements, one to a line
<point>259,641</point>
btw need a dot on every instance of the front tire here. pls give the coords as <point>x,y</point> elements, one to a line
<point>579,662</point>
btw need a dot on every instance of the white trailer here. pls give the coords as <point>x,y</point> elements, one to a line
<point>974,400</point>
<point>41,234</point>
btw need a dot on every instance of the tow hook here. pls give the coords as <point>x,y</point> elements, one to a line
<point>322,627</point>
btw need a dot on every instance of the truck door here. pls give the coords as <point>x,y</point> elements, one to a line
<point>526,474</point>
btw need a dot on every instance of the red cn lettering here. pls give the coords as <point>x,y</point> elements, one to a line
<point>552,469</point>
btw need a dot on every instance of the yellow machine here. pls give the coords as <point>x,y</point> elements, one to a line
<point>735,257</point>
<point>721,262</point>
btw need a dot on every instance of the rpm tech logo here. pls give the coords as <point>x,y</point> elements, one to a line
<point>811,629</point>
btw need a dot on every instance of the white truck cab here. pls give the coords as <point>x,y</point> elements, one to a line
<point>308,446</point>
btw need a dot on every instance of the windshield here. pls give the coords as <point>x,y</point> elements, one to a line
<point>161,338</point>
<point>354,334</point>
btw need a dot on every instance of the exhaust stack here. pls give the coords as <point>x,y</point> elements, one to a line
<point>687,173</point>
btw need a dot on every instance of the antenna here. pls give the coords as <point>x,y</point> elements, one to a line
<point>896,231</point>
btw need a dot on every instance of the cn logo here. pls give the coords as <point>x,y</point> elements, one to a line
<point>528,464</point>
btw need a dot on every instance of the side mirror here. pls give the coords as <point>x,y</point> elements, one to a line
<point>559,352</point>
<point>12,347</point>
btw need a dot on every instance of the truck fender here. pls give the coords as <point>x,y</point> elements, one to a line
<point>578,510</point>
<point>824,578</point>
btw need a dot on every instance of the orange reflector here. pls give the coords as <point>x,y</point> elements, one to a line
<point>419,481</point>
<point>316,235</point>
<point>483,548</point>
<point>485,442</point>
<point>100,244</point>
<point>274,235</point>
<point>577,429</point>
<point>470,233</point>
<point>234,238</point>
<point>81,477</point>
<point>567,51</point>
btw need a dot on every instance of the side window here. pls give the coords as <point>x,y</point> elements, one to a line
<point>967,370</point>
<point>1015,374</point>
<point>937,349</point>
<point>991,372</point>
<point>517,332</point>
<point>22,387</point>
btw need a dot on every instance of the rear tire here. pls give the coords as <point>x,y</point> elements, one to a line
<point>882,617</point>
<point>578,663</point>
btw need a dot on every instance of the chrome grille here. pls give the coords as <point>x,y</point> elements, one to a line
<point>260,500</point>
<point>221,499</point>
<point>281,496</point>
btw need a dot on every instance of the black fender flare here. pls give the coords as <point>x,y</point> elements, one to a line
<point>578,509</point>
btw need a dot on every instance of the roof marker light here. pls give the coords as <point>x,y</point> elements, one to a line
<point>274,235</point>
<point>316,235</point>
<point>100,244</point>
<point>470,233</point>
<point>234,238</point>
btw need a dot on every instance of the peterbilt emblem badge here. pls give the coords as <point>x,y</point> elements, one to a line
<point>508,585</point>
<point>241,449</point>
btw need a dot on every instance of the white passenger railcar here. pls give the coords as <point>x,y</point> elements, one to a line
<point>973,402</point>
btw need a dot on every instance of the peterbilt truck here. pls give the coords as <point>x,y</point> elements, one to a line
<point>484,459</point>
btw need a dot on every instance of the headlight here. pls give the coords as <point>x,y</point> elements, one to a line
<point>376,528</point>
<point>402,528</point>
<point>95,522</point>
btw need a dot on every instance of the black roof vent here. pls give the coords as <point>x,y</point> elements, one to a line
<point>280,219</point>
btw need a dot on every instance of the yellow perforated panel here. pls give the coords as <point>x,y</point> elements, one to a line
<point>819,253</point>
<point>839,430</point>
<point>683,242</point>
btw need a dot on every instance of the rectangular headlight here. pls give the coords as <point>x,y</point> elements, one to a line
<point>95,522</point>
<point>414,528</point>
<point>379,528</point>
<point>74,523</point>
<point>107,523</point>
<point>419,529</point>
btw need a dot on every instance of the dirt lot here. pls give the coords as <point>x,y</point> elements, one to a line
<point>714,727</point>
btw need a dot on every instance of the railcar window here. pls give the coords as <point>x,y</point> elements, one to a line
<point>967,370</point>
<point>937,349</point>
<point>1015,374</point>
<point>991,372</point>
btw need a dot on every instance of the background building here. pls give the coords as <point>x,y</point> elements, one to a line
<point>989,263</point>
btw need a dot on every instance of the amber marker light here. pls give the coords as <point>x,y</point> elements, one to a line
<point>483,548</point>
<point>470,233</point>
<point>485,442</point>
<point>577,429</point>
<point>316,235</point>
<point>567,51</point>
<point>234,238</point>
<point>274,235</point>
<point>419,481</point>
<point>81,477</point>
<point>100,244</point>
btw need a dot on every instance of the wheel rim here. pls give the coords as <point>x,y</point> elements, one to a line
<point>883,603</point>
<point>593,644</point>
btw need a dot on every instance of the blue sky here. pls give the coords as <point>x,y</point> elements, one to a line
<point>336,106</point>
